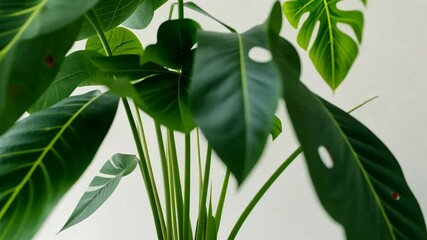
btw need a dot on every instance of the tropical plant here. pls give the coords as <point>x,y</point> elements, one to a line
<point>191,80</point>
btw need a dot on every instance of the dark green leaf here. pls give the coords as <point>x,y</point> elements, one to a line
<point>143,15</point>
<point>333,51</point>
<point>27,69</point>
<point>120,40</point>
<point>358,180</point>
<point>174,47</point>
<point>233,97</point>
<point>195,7</point>
<point>276,130</point>
<point>43,155</point>
<point>101,187</point>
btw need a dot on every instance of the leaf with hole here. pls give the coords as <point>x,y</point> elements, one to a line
<point>233,98</point>
<point>120,40</point>
<point>43,155</point>
<point>102,186</point>
<point>333,51</point>
<point>361,186</point>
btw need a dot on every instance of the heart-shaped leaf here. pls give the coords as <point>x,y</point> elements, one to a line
<point>356,177</point>
<point>43,155</point>
<point>120,40</point>
<point>102,186</point>
<point>234,97</point>
<point>20,88</point>
<point>333,51</point>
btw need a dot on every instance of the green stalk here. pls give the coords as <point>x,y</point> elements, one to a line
<point>180,9</point>
<point>221,201</point>
<point>187,185</point>
<point>261,193</point>
<point>202,206</point>
<point>156,210</point>
<point>172,193</point>
<point>199,160</point>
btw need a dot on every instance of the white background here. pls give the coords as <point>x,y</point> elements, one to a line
<point>392,64</point>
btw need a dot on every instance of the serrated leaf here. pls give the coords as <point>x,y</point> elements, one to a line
<point>359,181</point>
<point>120,40</point>
<point>333,51</point>
<point>44,154</point>
<point>102,186</point>
<point>233,98</point>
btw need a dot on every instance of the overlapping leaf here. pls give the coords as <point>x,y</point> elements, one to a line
<point>333,51</point>
<point>43,155</point>
<point>143,15</point>
<point>120,40</point>
<point>363,188</point>
<point>102,186</point>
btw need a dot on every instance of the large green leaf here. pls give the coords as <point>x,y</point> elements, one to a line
<point>110,14</point>
<point>28,68</point>
<point>102,186</point>
<point>233,97</point>
<point>143,15</point>
<point>120,40</point>
<point>43,155</point>
<point>333,51</point>
<point>362,186</point>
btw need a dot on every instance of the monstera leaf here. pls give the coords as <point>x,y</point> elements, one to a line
<point>43,155</point>
<point>357,179</point>
<point>333,51</point>
<point>102,186</point>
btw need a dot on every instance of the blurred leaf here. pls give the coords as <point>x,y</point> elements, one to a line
<point>120,40</point>
<point>44,154</point>
<point>233,97</point>
<point>27,69</point>
<point>276,130</point>
<point>195,7</point>
<point>102,186</point>
<point>333,51</point>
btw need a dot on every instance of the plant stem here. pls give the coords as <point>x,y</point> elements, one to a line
<point>155,207</point>
<point>221,201</point>
<point>202,206</point>
<point>187,185</point>
<point>199,160</point>
<point>261,192</point>
<point>180,9</point>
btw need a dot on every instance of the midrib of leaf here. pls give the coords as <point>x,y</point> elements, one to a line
<point>362,169</point>
<point>181,109</point>
<point>331,41</point>
<point>303,7</point>
<point>244,91</point>
<point>40,159</point>
<point>37,8</point>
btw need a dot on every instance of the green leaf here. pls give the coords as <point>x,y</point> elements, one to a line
<point>233,97</point>
<point>358,181</point>
<point>120,40</point>
<point>19,87</point>
<point>174,47</point>
<point>195,7</point>
<point>276,130</point>
<point>43,155</point>
<point>142,16</point>
<point>333,51</point>
<point>110,14</point>
<point>101,187</point>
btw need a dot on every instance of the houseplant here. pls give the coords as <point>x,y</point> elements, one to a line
<point>50,62</point>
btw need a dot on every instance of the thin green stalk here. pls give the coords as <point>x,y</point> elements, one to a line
<point>202,206</point>
<point>156,209</point>
<point>177,181</point>
<point>261,193</point>
<point>187,185</point>
<point>167,184</point>
<point>172,193</point>
<point>221,201</point>
<point>199,160</point>
<point>180,9</point>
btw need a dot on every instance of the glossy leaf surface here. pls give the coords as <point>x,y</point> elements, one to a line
<point>21,86</point>
<point>43,155</point>
<point>120,40</point>
<point>333,51</point>
<point>102,186</point>
<point>357,179</point>
<point>233,97</point>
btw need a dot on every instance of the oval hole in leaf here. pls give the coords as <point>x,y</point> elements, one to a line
<point>326,157</point>
<point>194,46</point>
<point>260,55</point>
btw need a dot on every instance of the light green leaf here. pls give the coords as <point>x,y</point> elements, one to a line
<point>102,186</point>
<point>333,51</point>
<point>28,68</point>
<point>276,130</point>
<point>43,155</point>
<point>357,179</point>
<point>120,40</point>
<point>234,97</point>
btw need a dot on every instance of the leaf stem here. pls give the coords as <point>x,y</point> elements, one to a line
<point>221,201</point>
<point>187,185</point>
<point>261,193</point>
<point>202,207</point>
<point>180,9</point>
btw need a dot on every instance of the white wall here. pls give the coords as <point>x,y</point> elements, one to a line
<point>392,64</point>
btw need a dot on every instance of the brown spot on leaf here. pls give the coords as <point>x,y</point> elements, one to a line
<point>49,61</point>
<point>395,196</point>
